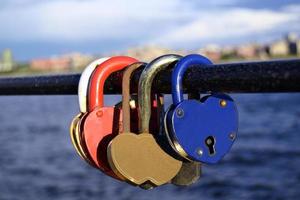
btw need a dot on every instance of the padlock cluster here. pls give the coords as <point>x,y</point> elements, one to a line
<point>137,141</point>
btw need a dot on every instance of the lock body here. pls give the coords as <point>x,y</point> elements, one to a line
<point>203,131</point>
<point>138,157</point>
<point>102,123</point>
<point>76,129</point>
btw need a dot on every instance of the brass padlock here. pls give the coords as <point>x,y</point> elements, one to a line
<point>138,157</point>
<point>73,134</point>
<point>126,104</point>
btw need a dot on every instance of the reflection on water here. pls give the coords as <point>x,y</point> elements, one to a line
<point>37,160</point>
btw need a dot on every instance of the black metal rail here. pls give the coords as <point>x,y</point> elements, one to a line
<point>246,77</point>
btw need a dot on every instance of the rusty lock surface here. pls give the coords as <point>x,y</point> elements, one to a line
<point>138,157</point>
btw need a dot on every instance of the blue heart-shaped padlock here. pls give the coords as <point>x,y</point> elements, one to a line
<point>204,130</point>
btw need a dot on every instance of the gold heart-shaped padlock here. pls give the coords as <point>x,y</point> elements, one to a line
<point>137,157</point>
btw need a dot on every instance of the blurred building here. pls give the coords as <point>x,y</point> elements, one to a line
<point>298,47</point>
<point>228,52</point>
<point>247,51</point>
<point>290,45</point>
<point>279,48</point>
<point>6,62</point>
<point>62,63</point>
<point>263,52</point>
<point>78,60</point>
<point>50,64</point>
<point>149,53</point>
<point>212,51</point>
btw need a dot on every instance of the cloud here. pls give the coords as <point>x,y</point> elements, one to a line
<point>226,24</point>
<point>175,23</point>
<point>81,20</point>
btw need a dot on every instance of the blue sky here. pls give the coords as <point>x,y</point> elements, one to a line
<point>35,28</point>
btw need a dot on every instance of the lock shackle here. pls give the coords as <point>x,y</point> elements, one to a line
<point>84,83</point>
<point>100,74</point>
<point>145,85</point>
<point>180,68</point>
<point>126,94</point>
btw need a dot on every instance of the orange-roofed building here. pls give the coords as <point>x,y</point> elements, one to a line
<point>51,64</point>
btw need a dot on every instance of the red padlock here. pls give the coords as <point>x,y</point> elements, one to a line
<point>102,122</point>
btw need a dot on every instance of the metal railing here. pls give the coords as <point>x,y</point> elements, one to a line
<point>244,77</point>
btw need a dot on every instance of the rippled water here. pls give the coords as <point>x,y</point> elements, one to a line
<point>37,160</point>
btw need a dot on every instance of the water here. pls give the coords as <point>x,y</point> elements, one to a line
<point>37,160</point>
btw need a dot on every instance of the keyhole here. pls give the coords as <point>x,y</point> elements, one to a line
<point>210,143</point>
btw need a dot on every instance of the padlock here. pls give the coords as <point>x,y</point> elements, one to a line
<point>73,134</point>
<point>204,130</point>
<point>82,98</point>
<point>102,123</point>
<point>138,157</point>
<point>157,106</point>
<point>75,128</point>
<point>190,171</point>
<point>84,83</point>
<point>126,112</point>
